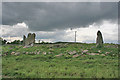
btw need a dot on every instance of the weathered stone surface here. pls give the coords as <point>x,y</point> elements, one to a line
<point>84,51</point>
<point>29,41</point>
<point>17,53</point>
<point>44,53</point>
<point>24,37</point>
<point>50,53</point>
<point>12,53</point>
<point>99,40</point>
<point>102,54</point>
<point>75,55</point>
<point>107,52</point>
<point>99,51</point>
<point>92,53</point>
<point>31,53</point>
<point>38,52</point>
<point>72,52</point>
<point>59,55</point>
<point>26,53</point>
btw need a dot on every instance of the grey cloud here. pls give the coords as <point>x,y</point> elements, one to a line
<point>0,13</point>
<point>55,35</point>
<point>48,16</point>
<point>13,32</point>
<point>60,0</point>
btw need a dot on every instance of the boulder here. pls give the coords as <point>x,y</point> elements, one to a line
<point>72,52</point>
<point>38,52</point>
<point>102,54</point>
<point>92,53</point>
<point>44,53</point>
<point>75,55</point>
<point>26,53</point>
<point>12,53</point>
<point>84,51</point>
<point>17,53</point>
<point>99,51</point>
<point>107,52</point>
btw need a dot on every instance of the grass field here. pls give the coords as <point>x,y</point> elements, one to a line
<point>61,60</point>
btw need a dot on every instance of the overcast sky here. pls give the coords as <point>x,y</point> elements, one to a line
<point>51,21</point>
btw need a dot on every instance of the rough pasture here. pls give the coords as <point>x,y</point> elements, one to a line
<point>63,60</point>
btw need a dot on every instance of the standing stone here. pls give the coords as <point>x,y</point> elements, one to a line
<point>29,41</point>
<point>99,40</point>
<point>24,37</point>
<point>39,41</point>
<point>34,37</point>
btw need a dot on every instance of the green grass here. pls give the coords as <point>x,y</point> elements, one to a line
<point>50,66</point>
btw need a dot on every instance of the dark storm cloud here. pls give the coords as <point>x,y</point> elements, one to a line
<point>0,13</point>
<point>47,16</point>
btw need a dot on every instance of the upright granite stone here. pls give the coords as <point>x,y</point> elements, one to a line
<point>29,41</point>
<point>24,37</point>
<point>99,40</point>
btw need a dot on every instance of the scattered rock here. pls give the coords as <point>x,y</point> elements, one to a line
<point>51,50</point>
<point>88,53</point>
<point>102,54</point>
<point>75,55</point>
<point>12,53</point>
<point>26,53</point>
<point>83,55</point>
<point>107,52</point>
<point>84,51</point>
<point>31,53</point>
<point>44,53</point>
<point>38,52</point>
<point>72,52</point>
<point>17,53</point>
<point>50,53</point>
<point>99,51</point>
<point>24,47</point>
<point>59,55</point>
<point>93,53</point>
<point>113,54</point>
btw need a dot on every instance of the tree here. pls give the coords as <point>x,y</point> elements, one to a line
<point>2,41</point>
<point>16,42</point>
